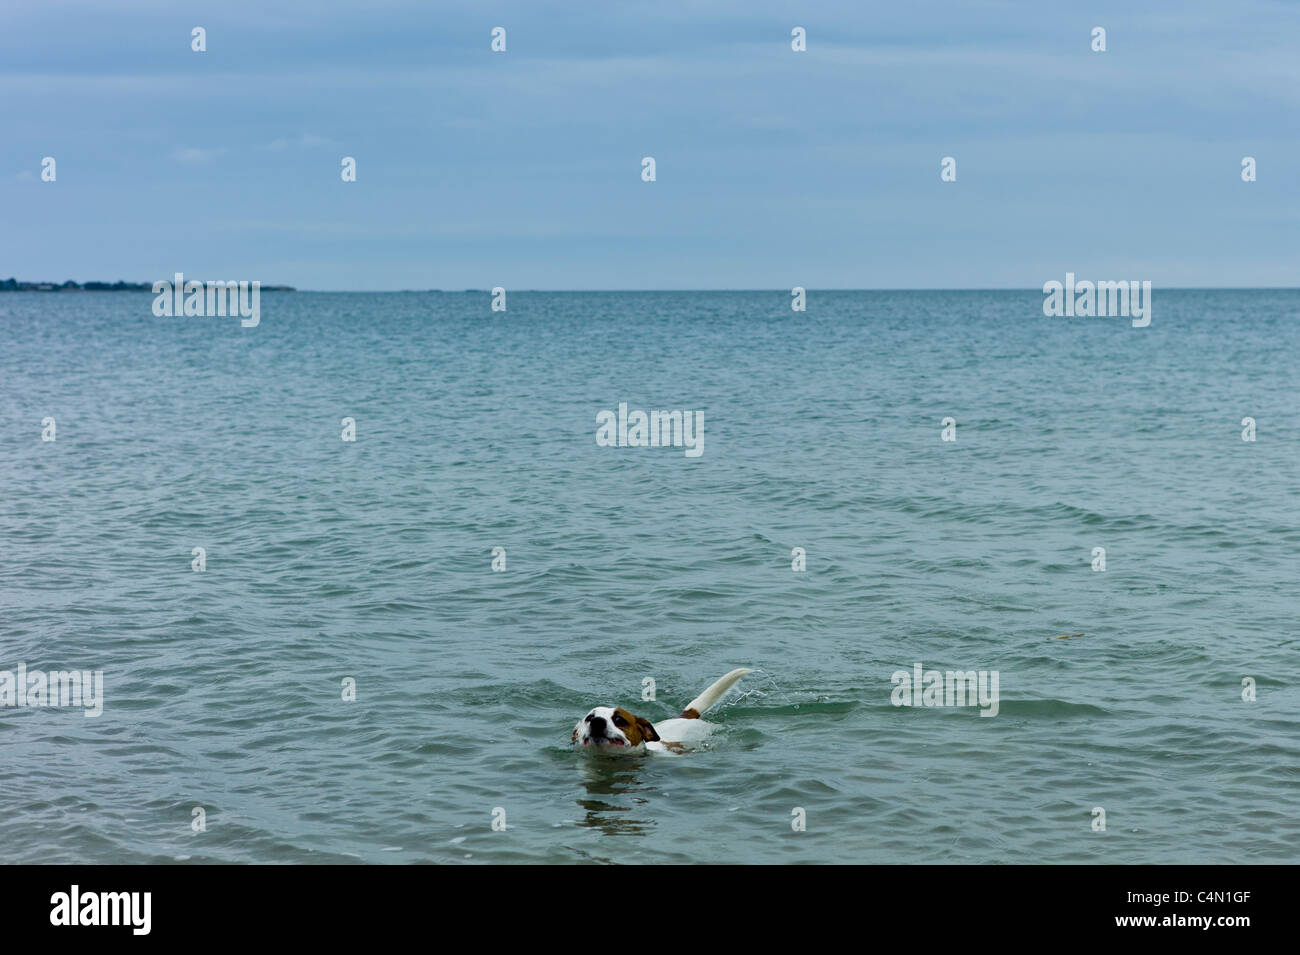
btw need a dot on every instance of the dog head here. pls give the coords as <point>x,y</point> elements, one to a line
<point>613,731</point>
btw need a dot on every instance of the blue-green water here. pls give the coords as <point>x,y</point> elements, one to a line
<point>372,560</point>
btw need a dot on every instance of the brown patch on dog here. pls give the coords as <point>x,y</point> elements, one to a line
<point>637,729</point>
<point>689,714</point>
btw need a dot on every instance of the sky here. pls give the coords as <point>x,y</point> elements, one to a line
<point>774,168</point>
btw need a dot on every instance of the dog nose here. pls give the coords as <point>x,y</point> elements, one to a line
<point>598,726</point>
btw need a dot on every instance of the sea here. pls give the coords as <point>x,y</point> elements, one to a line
<point>317,649</point>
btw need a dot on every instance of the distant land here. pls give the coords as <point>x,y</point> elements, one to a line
<point>13,285</point>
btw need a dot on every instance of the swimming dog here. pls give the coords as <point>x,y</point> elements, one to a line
<point>613,731</point>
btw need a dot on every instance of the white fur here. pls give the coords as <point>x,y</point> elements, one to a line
<point>705,700</point>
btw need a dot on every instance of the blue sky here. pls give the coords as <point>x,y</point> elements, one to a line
<point>775,168</point>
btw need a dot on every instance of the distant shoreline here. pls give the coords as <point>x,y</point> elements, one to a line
<point>13,285</point>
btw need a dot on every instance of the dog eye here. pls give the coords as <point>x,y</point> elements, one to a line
<point>619,721</point>
<point>588,719</point>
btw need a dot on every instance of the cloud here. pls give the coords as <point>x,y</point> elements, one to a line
<point>302,141</point>
<point>196,155</point>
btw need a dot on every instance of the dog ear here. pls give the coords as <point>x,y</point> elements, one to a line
<point>647,729</point>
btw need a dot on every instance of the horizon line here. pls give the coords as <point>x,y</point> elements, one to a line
<point>279,286</point>
<point>807,288</point>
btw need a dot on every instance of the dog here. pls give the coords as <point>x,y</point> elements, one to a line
<point>613,731</point>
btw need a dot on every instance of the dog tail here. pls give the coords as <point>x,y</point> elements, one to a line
<point>697,706</point>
